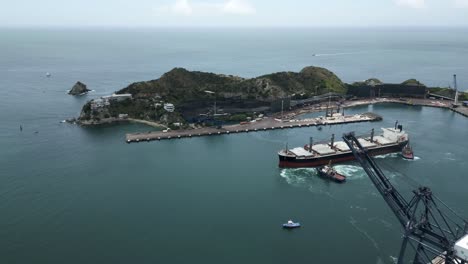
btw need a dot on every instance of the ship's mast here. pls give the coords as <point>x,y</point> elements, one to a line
<point>456,88</point>
<point>311,142</point>
<point>282,106</point>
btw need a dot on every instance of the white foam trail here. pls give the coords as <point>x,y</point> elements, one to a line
<point>390,155</point>
<point>297,176</point>
<point>415,158</point>
<point>307,178</point>
<point>449,156</point>
<point>357,207</point>
<point>350,171</point>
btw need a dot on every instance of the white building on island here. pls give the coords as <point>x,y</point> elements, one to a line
<point>169,107</point>
<point>105,100</point>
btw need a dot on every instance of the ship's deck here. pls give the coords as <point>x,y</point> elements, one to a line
<point>340,147</point>
<point>323,149</point>
<point>301,152</point>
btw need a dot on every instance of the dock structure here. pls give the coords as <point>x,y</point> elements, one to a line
<point>462,110</point>
<point>255,126</point>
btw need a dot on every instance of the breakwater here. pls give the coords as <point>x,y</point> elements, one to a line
<point>264,124</point>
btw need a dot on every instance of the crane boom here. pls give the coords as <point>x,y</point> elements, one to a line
<point>428,229</point>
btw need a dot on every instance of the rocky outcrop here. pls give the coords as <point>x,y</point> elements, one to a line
<point>78,88</point>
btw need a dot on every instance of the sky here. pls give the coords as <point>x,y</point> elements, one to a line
<point>233,13</point>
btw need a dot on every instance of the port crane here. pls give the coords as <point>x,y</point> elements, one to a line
<point>434,231</point>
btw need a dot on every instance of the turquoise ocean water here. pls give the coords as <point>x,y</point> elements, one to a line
<point>81,195</point>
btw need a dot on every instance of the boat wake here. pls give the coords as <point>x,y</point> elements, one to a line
<point>298,176</point>
<point>357,172</point>
<point>351,172</point>
<point>306,178</point>
<point>390,155</point>
<point>449,156</point>
<point>415,158</point>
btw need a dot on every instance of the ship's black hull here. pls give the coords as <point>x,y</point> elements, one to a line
<point>301,162</point>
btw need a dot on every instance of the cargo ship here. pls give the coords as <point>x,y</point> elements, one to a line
<point>313,155</point>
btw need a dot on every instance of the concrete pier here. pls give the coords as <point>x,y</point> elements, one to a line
<point>255,126</point>
<point>462,110</point>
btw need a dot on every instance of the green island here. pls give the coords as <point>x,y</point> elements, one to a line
<point>181,98</point>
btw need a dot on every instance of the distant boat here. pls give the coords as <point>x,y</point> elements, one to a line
<point>313,55</point>
<point>290,225</point>
<point>48,74</point>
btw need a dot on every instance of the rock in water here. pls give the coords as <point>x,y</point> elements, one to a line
<point>78,88</point>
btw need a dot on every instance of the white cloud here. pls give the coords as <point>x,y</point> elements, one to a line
<point>182,7</point>
<point>187,8</point>
<point>461,3</point>
<point>238,7</point>
<point>411,3</point>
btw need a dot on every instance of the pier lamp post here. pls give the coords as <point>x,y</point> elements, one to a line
<point>214,106</point>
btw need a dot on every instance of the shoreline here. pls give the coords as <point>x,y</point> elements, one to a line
<point>109,121</point>
<point>287,115</point>
<point>462,110</point>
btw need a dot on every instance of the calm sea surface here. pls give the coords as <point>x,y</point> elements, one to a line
<point>81,195</point>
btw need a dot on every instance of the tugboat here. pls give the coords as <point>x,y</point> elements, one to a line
<point>328,172</point>
<point>407,152</point>
<point>290,225</point>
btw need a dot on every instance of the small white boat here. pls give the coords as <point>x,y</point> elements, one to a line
<point>290,224</point>
<point>48,74</point>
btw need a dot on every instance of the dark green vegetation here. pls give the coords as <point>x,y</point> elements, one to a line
<point>180,85</point>
<point>370,82</point>
<point>187,90</point>
<point>448,92</point>
<point>413,82</point>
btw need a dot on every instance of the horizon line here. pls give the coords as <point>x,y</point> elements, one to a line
<point>232,27</point>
